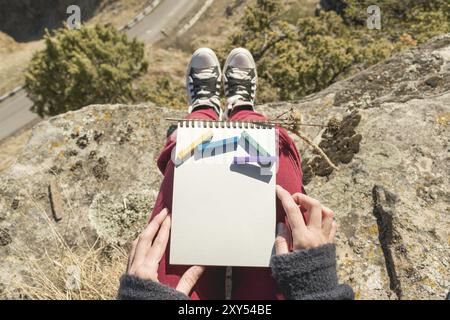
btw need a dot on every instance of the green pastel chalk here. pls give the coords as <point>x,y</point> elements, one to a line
<point>252,142</point>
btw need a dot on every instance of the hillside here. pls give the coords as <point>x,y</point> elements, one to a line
<point>391,193</point>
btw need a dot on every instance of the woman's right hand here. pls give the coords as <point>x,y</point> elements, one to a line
<point>320,228</point>
<point>148,249</point>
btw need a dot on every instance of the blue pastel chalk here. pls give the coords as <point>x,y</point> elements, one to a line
<point>219,144</point>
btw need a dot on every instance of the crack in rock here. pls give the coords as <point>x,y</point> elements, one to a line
<point>383,210</point>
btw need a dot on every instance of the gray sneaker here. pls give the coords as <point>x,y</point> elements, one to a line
<point>240,80</point>
<point>203,78</point>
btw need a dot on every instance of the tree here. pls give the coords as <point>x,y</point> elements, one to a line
<point>302,55</point>
<point>295,59</point>
<point>81,67</point>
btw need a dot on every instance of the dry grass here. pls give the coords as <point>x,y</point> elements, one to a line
<point>14,58</point>
<point>11,147</point>
<point>163,83</point>
<point>59,271</point>
<point>298,9</point>
<point>217,24</point>
<point>74,274</point>
<point>119,12</point>
<point>167,61</point>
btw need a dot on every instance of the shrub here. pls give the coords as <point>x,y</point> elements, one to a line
<point>299,57</point>
<point>163,90</point>
<point>82,67</point>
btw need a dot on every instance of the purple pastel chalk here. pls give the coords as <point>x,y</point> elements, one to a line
<point>253,159</point>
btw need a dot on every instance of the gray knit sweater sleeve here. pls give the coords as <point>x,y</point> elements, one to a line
<point>310,275</point>
<point>133,288</point>
<point>302,275</point>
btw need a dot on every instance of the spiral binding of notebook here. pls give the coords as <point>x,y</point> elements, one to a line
<point>223,210</point>
<point>203,140</point>
<point>190,123</point>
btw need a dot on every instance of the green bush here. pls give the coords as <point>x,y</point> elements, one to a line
<point>82,67</point>
<point>399,17</point>
<point>299,57</point>
<point>163,91</point>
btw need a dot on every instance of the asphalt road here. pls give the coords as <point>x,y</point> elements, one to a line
<point>15,112</point>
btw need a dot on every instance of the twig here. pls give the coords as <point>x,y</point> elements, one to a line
<point>282,114</point>
<point>293,123</point>
<point>315,147</point>
<point>56,202</point>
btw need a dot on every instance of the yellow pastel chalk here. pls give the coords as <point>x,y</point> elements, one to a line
<point>188,150</point>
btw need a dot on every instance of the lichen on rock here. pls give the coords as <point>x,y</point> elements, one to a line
<point>120,217</point>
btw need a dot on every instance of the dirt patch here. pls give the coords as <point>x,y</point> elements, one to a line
<point>11,147</point>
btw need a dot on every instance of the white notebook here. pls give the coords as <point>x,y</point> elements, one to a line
<point>223,214</point>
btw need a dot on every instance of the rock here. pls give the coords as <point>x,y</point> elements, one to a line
<point>397,149</point>
<point>390,195</point>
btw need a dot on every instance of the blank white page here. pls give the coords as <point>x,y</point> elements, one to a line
<point>223,214</point>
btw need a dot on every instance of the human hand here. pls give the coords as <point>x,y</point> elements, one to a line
<point>320,228</point>
<point>148,249</point>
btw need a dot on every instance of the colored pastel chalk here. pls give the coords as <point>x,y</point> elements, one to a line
<point>212,145</point>
<point>188,150</point>
<point>252,159</point>
<point>261,151</point>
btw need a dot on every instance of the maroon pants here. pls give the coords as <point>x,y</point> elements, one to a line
<point>248,283</point>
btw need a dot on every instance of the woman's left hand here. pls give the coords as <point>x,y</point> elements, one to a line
<point>320,228</point>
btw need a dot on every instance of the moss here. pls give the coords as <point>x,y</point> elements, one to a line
<point>429,282</point>
<point>443,119</point>
<point>373,230</point>
<point>107,116</point>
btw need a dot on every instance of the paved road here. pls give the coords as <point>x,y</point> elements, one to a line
<point>14,112</point>
<point>165,17</point>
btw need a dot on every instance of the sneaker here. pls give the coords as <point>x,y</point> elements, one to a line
<point>203,78</point>
<point>240,79</point>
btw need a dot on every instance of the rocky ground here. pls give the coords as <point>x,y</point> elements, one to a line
<point>390,140</point>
